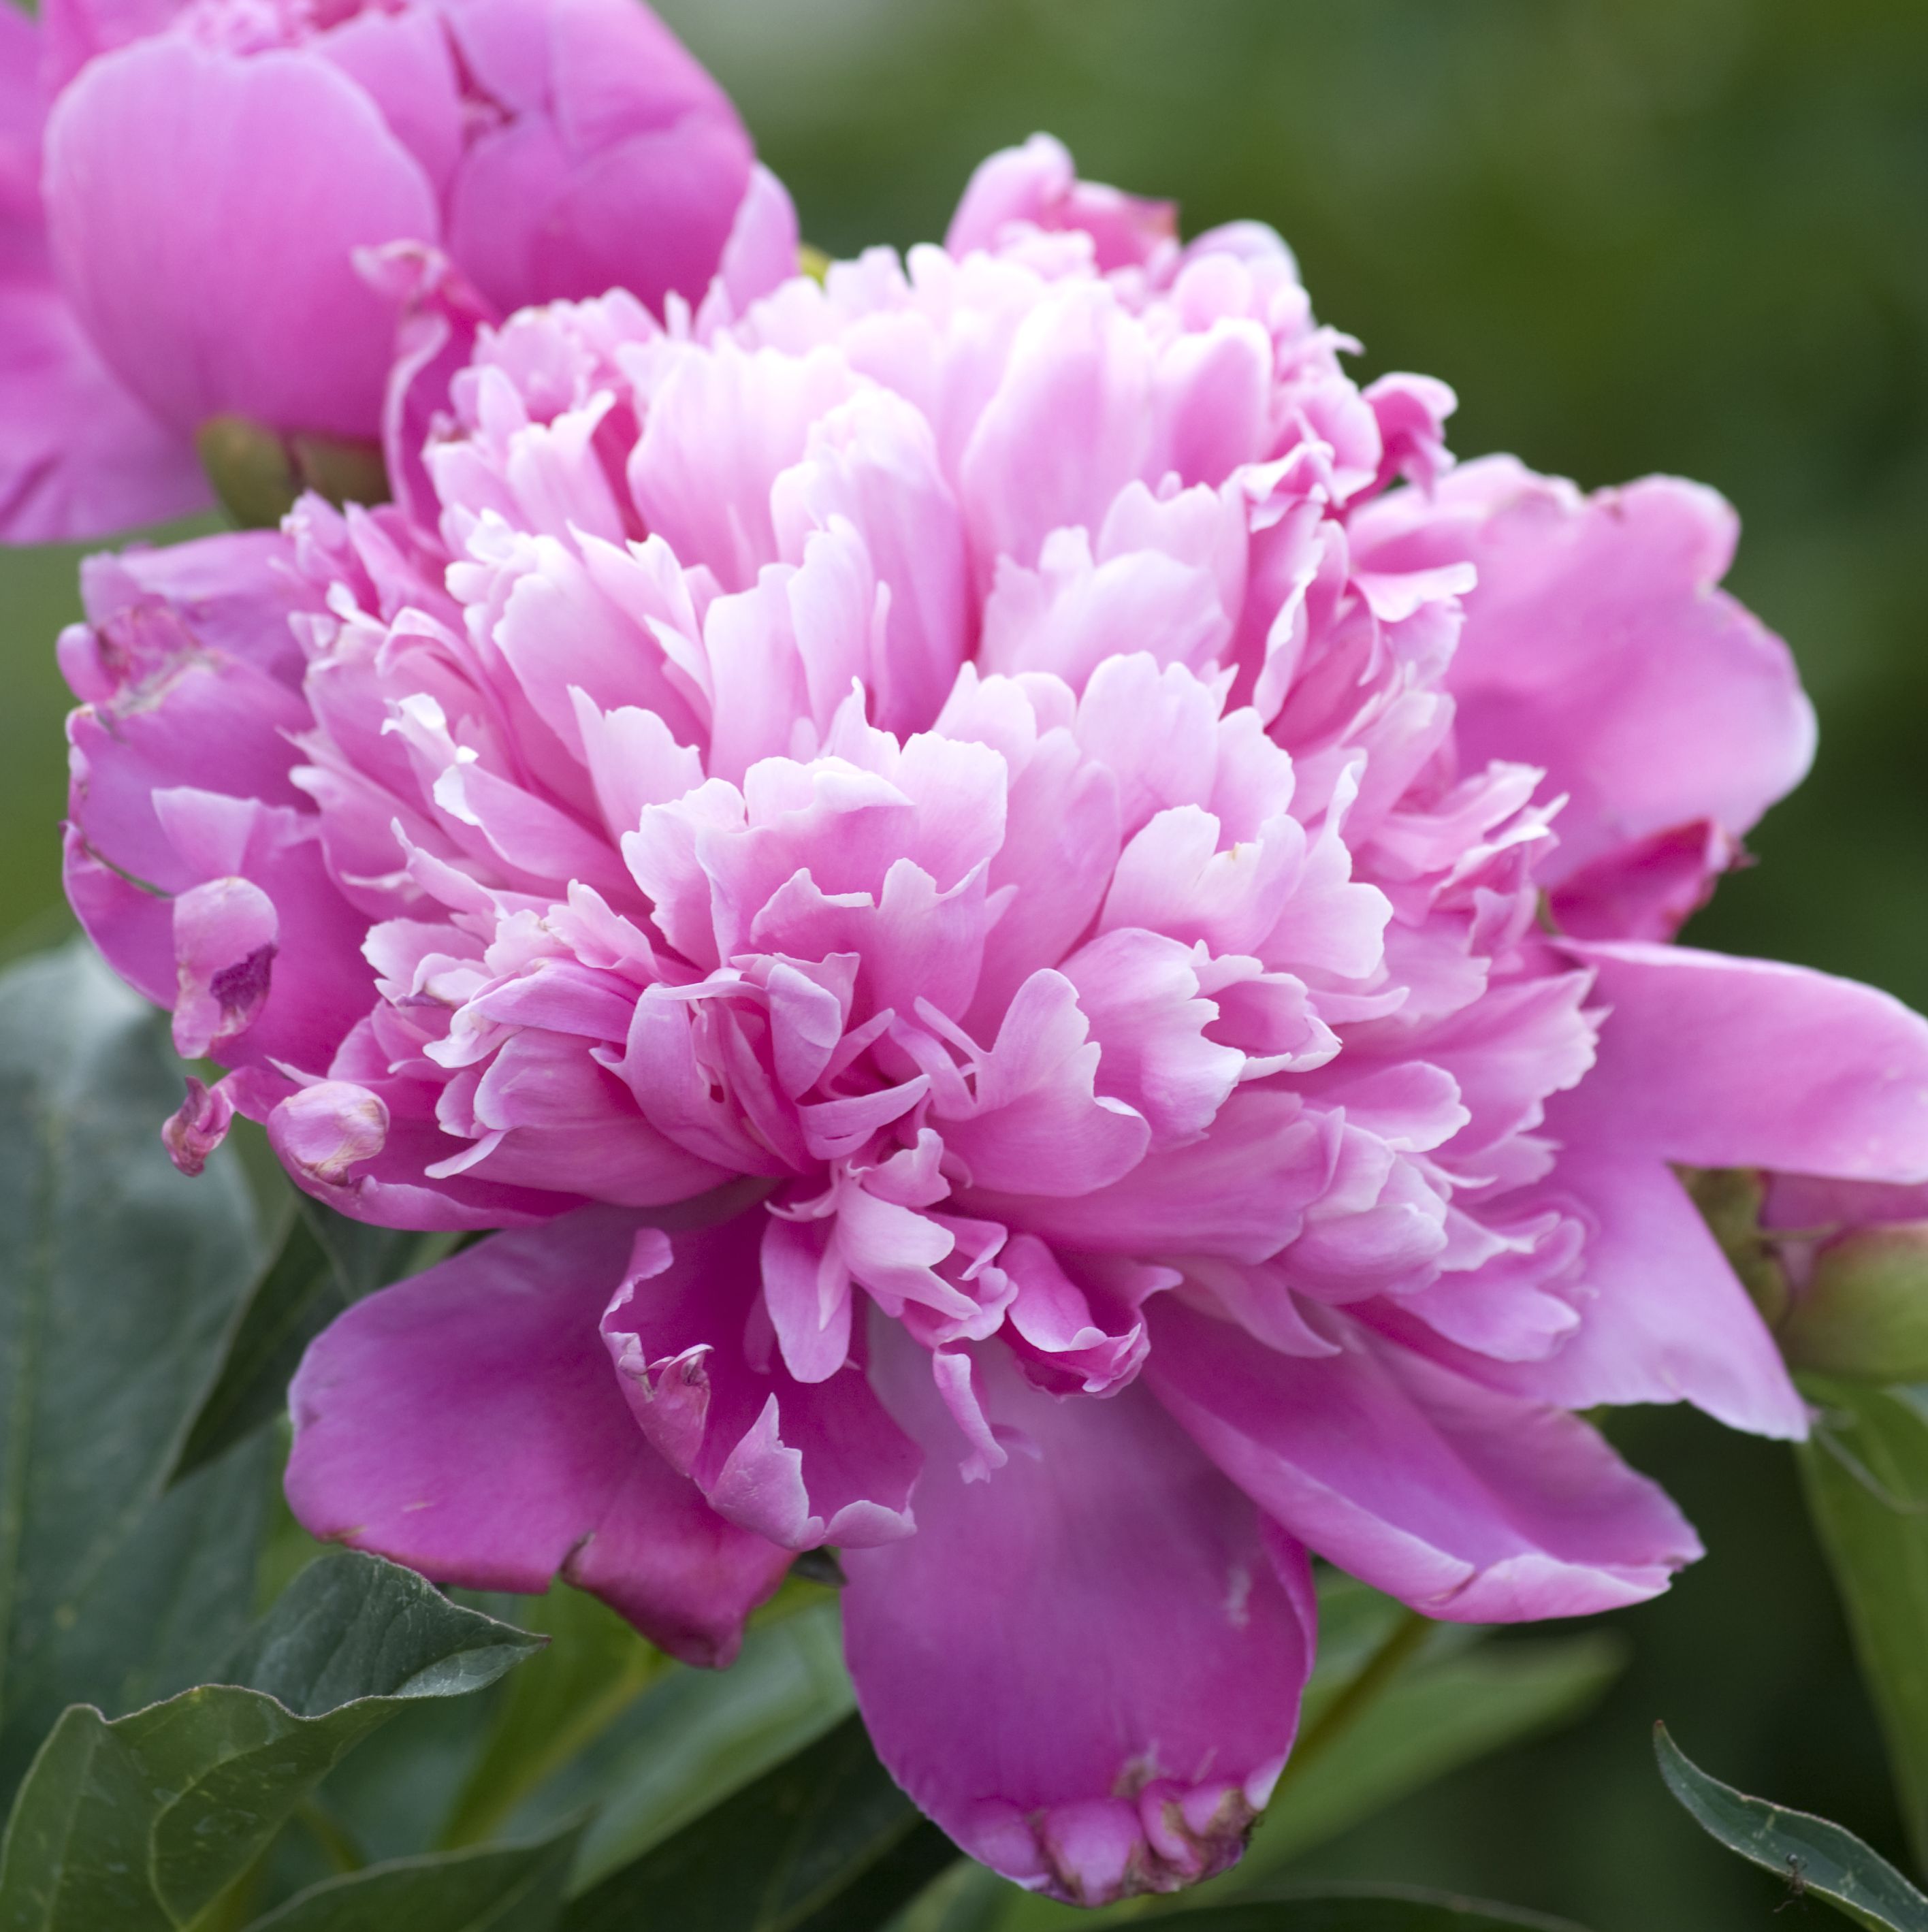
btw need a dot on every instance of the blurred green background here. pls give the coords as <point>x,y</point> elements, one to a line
<point>1655,234</point>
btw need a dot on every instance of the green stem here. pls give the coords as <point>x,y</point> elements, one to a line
<point>1372,1677</point>
<point>343,1853</point>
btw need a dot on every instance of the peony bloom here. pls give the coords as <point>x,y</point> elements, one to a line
<point>188,189</point>
<point>1046,939</point>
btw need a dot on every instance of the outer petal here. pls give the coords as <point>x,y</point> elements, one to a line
<point>1473,1506</point>
<point>467,1422</point>
<point>1716,1062</point>
<point>79,456</point>
<point>204,212</point>
<point>1087,1668</point>
<point>79,31</point>
<point>1596,646</point>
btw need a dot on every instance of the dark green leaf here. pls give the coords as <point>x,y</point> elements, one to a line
<point>1813,1856</point>
<point>326,1261</point>
<point>352,1626</point>
<point>365,1258</point>
<point>177,1800</point>
<point>1364,1909</point>
<point>117,1278</point>
<point>1865,1470</point>
<point>296,1298</point>
<point>824,1841</point>
<point>506,1888</point>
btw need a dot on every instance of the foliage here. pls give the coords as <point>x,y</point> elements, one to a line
<point>1811,1854</point>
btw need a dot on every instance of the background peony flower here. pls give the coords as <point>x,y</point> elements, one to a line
<point>212,170</point>
<point>919,849</point>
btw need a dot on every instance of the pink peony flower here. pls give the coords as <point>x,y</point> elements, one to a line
<point>186,247</point>
<point>961,862</point>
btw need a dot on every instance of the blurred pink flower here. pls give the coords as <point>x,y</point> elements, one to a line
<point>961,861</point>
<point>185,188</point>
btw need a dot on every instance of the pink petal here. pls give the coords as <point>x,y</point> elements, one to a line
<point>1037,185</point>
<point>1596,646</point>
<point>80,457</point>
<point>800,1463</point>
<point>78,31</point>
<point>1037,1126</point>
<point>1717,1062</point>
<point>467,1422</point>
<point>1086,1669</point>
<point>1471,1506</point>
<point>1663,1319</point>
<point>762,250</point>
<point>204,212</point>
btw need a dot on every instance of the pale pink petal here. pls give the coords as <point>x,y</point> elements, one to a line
<point>1037,185</point>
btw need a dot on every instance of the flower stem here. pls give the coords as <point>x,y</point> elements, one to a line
<point>1372,1678</point>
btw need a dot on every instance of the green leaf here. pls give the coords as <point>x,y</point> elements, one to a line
<point>1811,1854</point>
<point>1365,1909</point>
<point>365,1258</point>
<point>352,1627</point>
<point>497,1888</point>
<point>694,1737</point>
<point>325,1261</point>
<point>596,1666</point>
<point>1865,1470</point>
<point>1456,1702</point>
<point>296,1297</point>
<point>117,1278</point>
<point>164,1808</point>
<point>825,1841</point>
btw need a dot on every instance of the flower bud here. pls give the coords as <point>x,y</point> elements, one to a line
<point>259,475</point>
<point>1863,1312</point>
<point>1730,1200</point>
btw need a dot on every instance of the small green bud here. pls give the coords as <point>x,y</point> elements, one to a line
<point>251,470</point>
<point>258,474</point>
<point>1729,1199</point>
<point>340,468</point>
<point>1863,1314</point>
<point>813,263</point>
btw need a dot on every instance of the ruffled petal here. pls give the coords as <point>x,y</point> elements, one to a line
<point>467,1422</point>
<point>1597,646</point>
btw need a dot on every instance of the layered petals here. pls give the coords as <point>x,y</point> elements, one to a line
<point>1059,925</point>
<point>239,201</point>
<point>1598,646</point>
<point>1471,1507</point>
<point>468,1422</point>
